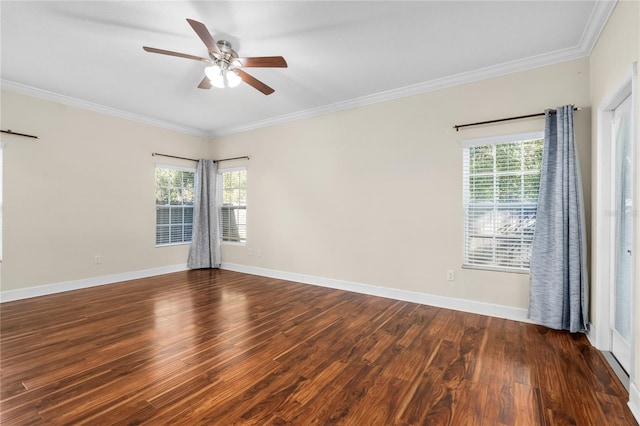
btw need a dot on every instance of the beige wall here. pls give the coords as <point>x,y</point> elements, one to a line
<point>369,195</point>
<point>85,188</point>
<point>373,195</point>
<point>610,63</point>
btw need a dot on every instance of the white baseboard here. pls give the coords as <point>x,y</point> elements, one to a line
<point>499,311</point>
<point>464,305</point>
<point>634,401</point>
<point>591,335</point>
<point>43,290</point>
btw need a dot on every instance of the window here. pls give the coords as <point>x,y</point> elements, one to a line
<point>232,187</point>
<point>501,181</point>
<point>174,205</point>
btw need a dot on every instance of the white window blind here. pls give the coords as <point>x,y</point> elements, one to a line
<point>501,181</point>
<point>232,214</point>
<point>174,204</point>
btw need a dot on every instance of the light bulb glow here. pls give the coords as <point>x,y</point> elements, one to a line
<point>215,75</point>
<point>233,79</point>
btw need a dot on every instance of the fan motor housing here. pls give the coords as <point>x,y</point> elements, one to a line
<point>225,48</point>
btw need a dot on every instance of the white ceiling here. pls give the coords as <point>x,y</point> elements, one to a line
<point>340,53</point>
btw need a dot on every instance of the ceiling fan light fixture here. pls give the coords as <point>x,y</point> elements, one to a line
<point>215,74</point>
<point>225,65</point>
<point>233,79</point>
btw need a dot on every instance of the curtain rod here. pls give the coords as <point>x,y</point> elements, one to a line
<point>193,159</point>
<point>9,132</point>
<point>540,114</point>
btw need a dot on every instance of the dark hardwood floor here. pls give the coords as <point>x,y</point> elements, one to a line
<point>219,347</point>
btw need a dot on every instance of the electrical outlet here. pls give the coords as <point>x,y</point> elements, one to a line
<point>451,275</point>
<point>250,251</point>
<point>259,252</point>
<point>97,259</point>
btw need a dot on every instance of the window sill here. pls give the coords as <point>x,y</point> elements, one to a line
<point>233,243</point>
<point>496,269</point>
<point>173,244</point>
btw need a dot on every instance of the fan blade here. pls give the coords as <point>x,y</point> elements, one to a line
<point>178,54</point>
<point>257,84</point>
<point>204,35</point>
<point>205,83</point>
<point>264,61</point>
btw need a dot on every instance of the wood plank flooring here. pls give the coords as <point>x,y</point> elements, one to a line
<point>219,347</point>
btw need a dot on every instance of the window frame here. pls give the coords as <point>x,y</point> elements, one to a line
<point>183,169</point>
<point>491,141</point>
<point>220,191</point>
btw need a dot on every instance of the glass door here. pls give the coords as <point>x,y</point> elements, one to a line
<point>623,234</point>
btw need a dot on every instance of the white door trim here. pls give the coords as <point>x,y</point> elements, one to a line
<point>602,249</point>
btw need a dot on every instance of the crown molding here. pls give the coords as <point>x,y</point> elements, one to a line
<point>525,64</point>
<point>102,109</point>
<point>596,23</point>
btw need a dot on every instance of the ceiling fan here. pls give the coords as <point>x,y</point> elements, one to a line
<point>225,64</point>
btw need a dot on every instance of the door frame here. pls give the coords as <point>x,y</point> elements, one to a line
<point>604,207</point>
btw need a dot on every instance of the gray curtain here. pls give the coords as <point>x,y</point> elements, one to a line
<point>205,243</point>
<point>558,297</point>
